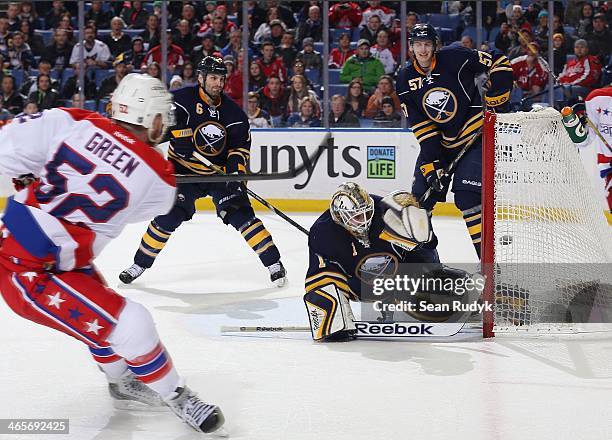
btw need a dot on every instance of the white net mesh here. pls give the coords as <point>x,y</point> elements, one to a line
<point>553,246</point>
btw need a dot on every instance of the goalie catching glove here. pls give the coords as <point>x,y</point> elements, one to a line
<point>406,223</point>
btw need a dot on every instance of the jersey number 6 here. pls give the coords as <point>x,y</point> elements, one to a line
<point>74,201</point>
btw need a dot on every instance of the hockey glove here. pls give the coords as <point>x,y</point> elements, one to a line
<point>497,102</point>
<point>235,187</point>
<point>24,181</point>
<point>434,173</point>
<point>182,143</point>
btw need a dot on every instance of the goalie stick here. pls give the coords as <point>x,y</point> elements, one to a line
<point>246,177</point>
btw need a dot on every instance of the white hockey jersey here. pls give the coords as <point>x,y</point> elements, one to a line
<point>599,110</point>
<point>95,177</point>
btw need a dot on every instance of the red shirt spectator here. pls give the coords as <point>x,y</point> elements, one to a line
<point>233,83</point>
<point>339,55</point>
<point>345,15</point>
<point>270,64</point>
<point>528,73</point>
<point>385,14</point>
<point>175,55</point>
<point>583,71</point>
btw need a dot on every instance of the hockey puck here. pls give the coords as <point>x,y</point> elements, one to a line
<point>505,240</point>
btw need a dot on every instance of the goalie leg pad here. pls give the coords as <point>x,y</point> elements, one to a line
<point>329,312</point>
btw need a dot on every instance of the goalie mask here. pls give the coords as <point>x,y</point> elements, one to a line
<point>353,208</point>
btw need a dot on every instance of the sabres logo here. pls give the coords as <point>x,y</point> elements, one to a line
<point>440,104</point>
<point>376,266</point>
<point>209,138</point>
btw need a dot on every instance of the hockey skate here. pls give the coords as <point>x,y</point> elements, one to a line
<point>202,417</point>
<point>131,273</point>
<point>131,394</point>
<point>278,274</point>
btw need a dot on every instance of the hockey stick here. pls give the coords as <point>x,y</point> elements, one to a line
<point>223,178</point>
<point>368,329</point>
<point>450,169</point>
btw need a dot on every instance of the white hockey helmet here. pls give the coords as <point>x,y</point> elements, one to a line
<point>353,208</point>
<point>139,98</point>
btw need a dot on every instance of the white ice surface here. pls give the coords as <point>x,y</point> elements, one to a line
<point>287,387</point>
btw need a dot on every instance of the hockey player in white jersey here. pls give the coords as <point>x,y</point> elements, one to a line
<point>81,178</point>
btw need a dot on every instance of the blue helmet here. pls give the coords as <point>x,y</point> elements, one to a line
<point>424,31</point>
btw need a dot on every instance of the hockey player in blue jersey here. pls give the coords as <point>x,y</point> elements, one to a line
<point>210,128</point>
<point>443,105</point>
<point>359,238</point>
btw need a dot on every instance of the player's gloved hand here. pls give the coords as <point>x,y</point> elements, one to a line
<point>182,143</point>
<point>497,102</point>
<point>235,187</point>
<point>24,181</point>
<point>433,173</point>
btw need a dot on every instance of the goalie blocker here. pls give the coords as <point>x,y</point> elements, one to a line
<point>363,237</point>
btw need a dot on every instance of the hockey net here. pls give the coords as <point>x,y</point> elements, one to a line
<point>546,244</point>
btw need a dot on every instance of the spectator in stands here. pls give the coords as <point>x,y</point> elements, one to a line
<point>29,109</point>
<point>150,35</point>
<point>65,23</point>
<point>205,49</point>
<point>5,35</point>
<point>19,55</point>
<point>188,13</point>
<point>585,25</point>
<point>153,70</point>
<point>528,72</point>
<point>311,58</point>
<point>257,15</point>
<point>54,15</point>
<point>600,39</point>
<point>134,58</point>
<point>382,51</point>
<point>175,56</point>
<point>559,53</point>
<point>356,99</point>
<point>11,99</point>
<point>345,15</point>
<point>339,55</point>
<point>517,20</point>
<point>305,116</point>
<point>258,118</point>
<point>388,117</point>
<point>98,16</point>
<point>45,97</point>
<point>270,64</point>
<point>385,14</point>
<point>264,31</point>
<point>77,102</point>
<point>467,42</point>
<point>135,17</point>
<point>12,15</point>
<point>312,27</point>
<point>277,30</point>
<point>273,98</point>
<point>110,83</point>
<point>36,43</point>
<point>5,115</point>
<point>30,85</point>
<point>117,41</point>
<point>580,74</point>
<point>541,31</point>
<point>221,11</point>
<point>27,13</point>
<point>219,34</point>
<point>71,85</point>
<point>339,115</point>
<point>385,88</point>
<point>183,36</point>
<point>298,91</point>
<point>362,65</point>
<point>175,83</point>
<point>286,50</point>
<point>370,31</point>
<point>503,40</point>
<point>233,82</point>
<point>188,76</point>
<point>285,13</point>
<point>257,80</point>
<point>524,37</point>
<point>97,54</point>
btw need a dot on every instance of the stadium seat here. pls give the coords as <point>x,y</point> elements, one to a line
<point>366,123</point>
<point>67,73</point>
<point>338,89</point>
<point>334,76</point>
<point>313,76</point>
<point>334,34</point>
<point>570,56</point>
<point>569,30</point>
<point>133,32</point>
<point>101,74</point>
<point>148,6</point>
<point>90,104</point>
<point>355,36</point>
<point>318,46</point>
<point>18,75</point>
<point>492,34</point>
<point>47,36</point>
<point>102,106</point>
<point>470,31</point>
<point>447,35</point>
<point>105,32</point>
<point>451,21</point>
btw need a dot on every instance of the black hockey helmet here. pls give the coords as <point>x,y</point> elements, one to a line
<point>211,64</point>
<point>424,31</point>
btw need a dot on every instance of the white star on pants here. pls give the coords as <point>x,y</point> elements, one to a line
<point>93,326</point>
<point>55,300</point>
